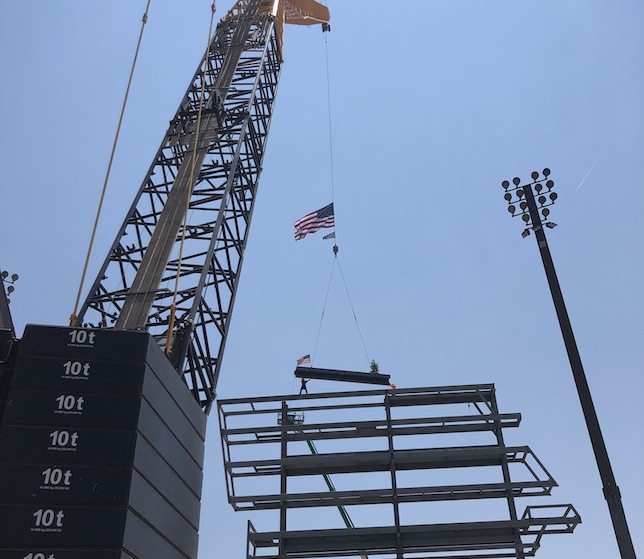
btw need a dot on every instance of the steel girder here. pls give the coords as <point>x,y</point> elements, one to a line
<point>241,72</point>
<point>473,540</point>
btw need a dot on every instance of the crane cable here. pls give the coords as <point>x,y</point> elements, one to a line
<point>328,96</point>
<point>327,478</point>
<point>173,306</point>
<point>335,246</point>
<point>73,317</point>
<point>326,298</point>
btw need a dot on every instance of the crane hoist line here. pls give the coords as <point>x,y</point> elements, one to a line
<point>219,132</point>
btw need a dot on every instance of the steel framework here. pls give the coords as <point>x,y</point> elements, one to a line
<point>211,168</point>
<point>392,434</point>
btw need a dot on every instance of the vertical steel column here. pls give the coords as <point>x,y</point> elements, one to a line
<point>610,488</point>
<point>392,470</point>
<point>283,479</point>
<point>507,481</point>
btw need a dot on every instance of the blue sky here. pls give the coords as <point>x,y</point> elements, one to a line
<point>433,104</point>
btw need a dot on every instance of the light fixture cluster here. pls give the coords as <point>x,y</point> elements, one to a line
<point>539,193</point>
<point>5,279</point>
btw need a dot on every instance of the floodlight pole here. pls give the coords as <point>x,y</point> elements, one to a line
<point>610,488</point>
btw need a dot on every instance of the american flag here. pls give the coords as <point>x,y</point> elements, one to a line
<point>310,223</point>
<point>304,359</point>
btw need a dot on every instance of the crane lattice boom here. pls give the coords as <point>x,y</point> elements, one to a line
<point>212,165</point>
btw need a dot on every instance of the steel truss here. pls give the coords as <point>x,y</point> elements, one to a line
<point>135,286</point>
<point>389,432</point>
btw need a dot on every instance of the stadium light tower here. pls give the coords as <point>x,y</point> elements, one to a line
<point>532,206</point>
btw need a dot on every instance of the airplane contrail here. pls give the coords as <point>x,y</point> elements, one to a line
<point>589,171</point>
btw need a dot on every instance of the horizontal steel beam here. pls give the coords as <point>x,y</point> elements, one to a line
<point>457,540</point>
<point>378,461</point>
<point>342,376</point>
<point>485,390</point>
<point>367,429</point>
<point>386,496</point>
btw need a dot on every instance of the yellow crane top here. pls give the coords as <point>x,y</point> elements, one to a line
<point>296,12</point>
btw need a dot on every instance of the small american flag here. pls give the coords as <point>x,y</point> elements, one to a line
<point>310,223</point>
<point>304,359</point>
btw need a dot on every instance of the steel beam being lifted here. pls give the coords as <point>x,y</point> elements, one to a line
<point>342,376</point>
